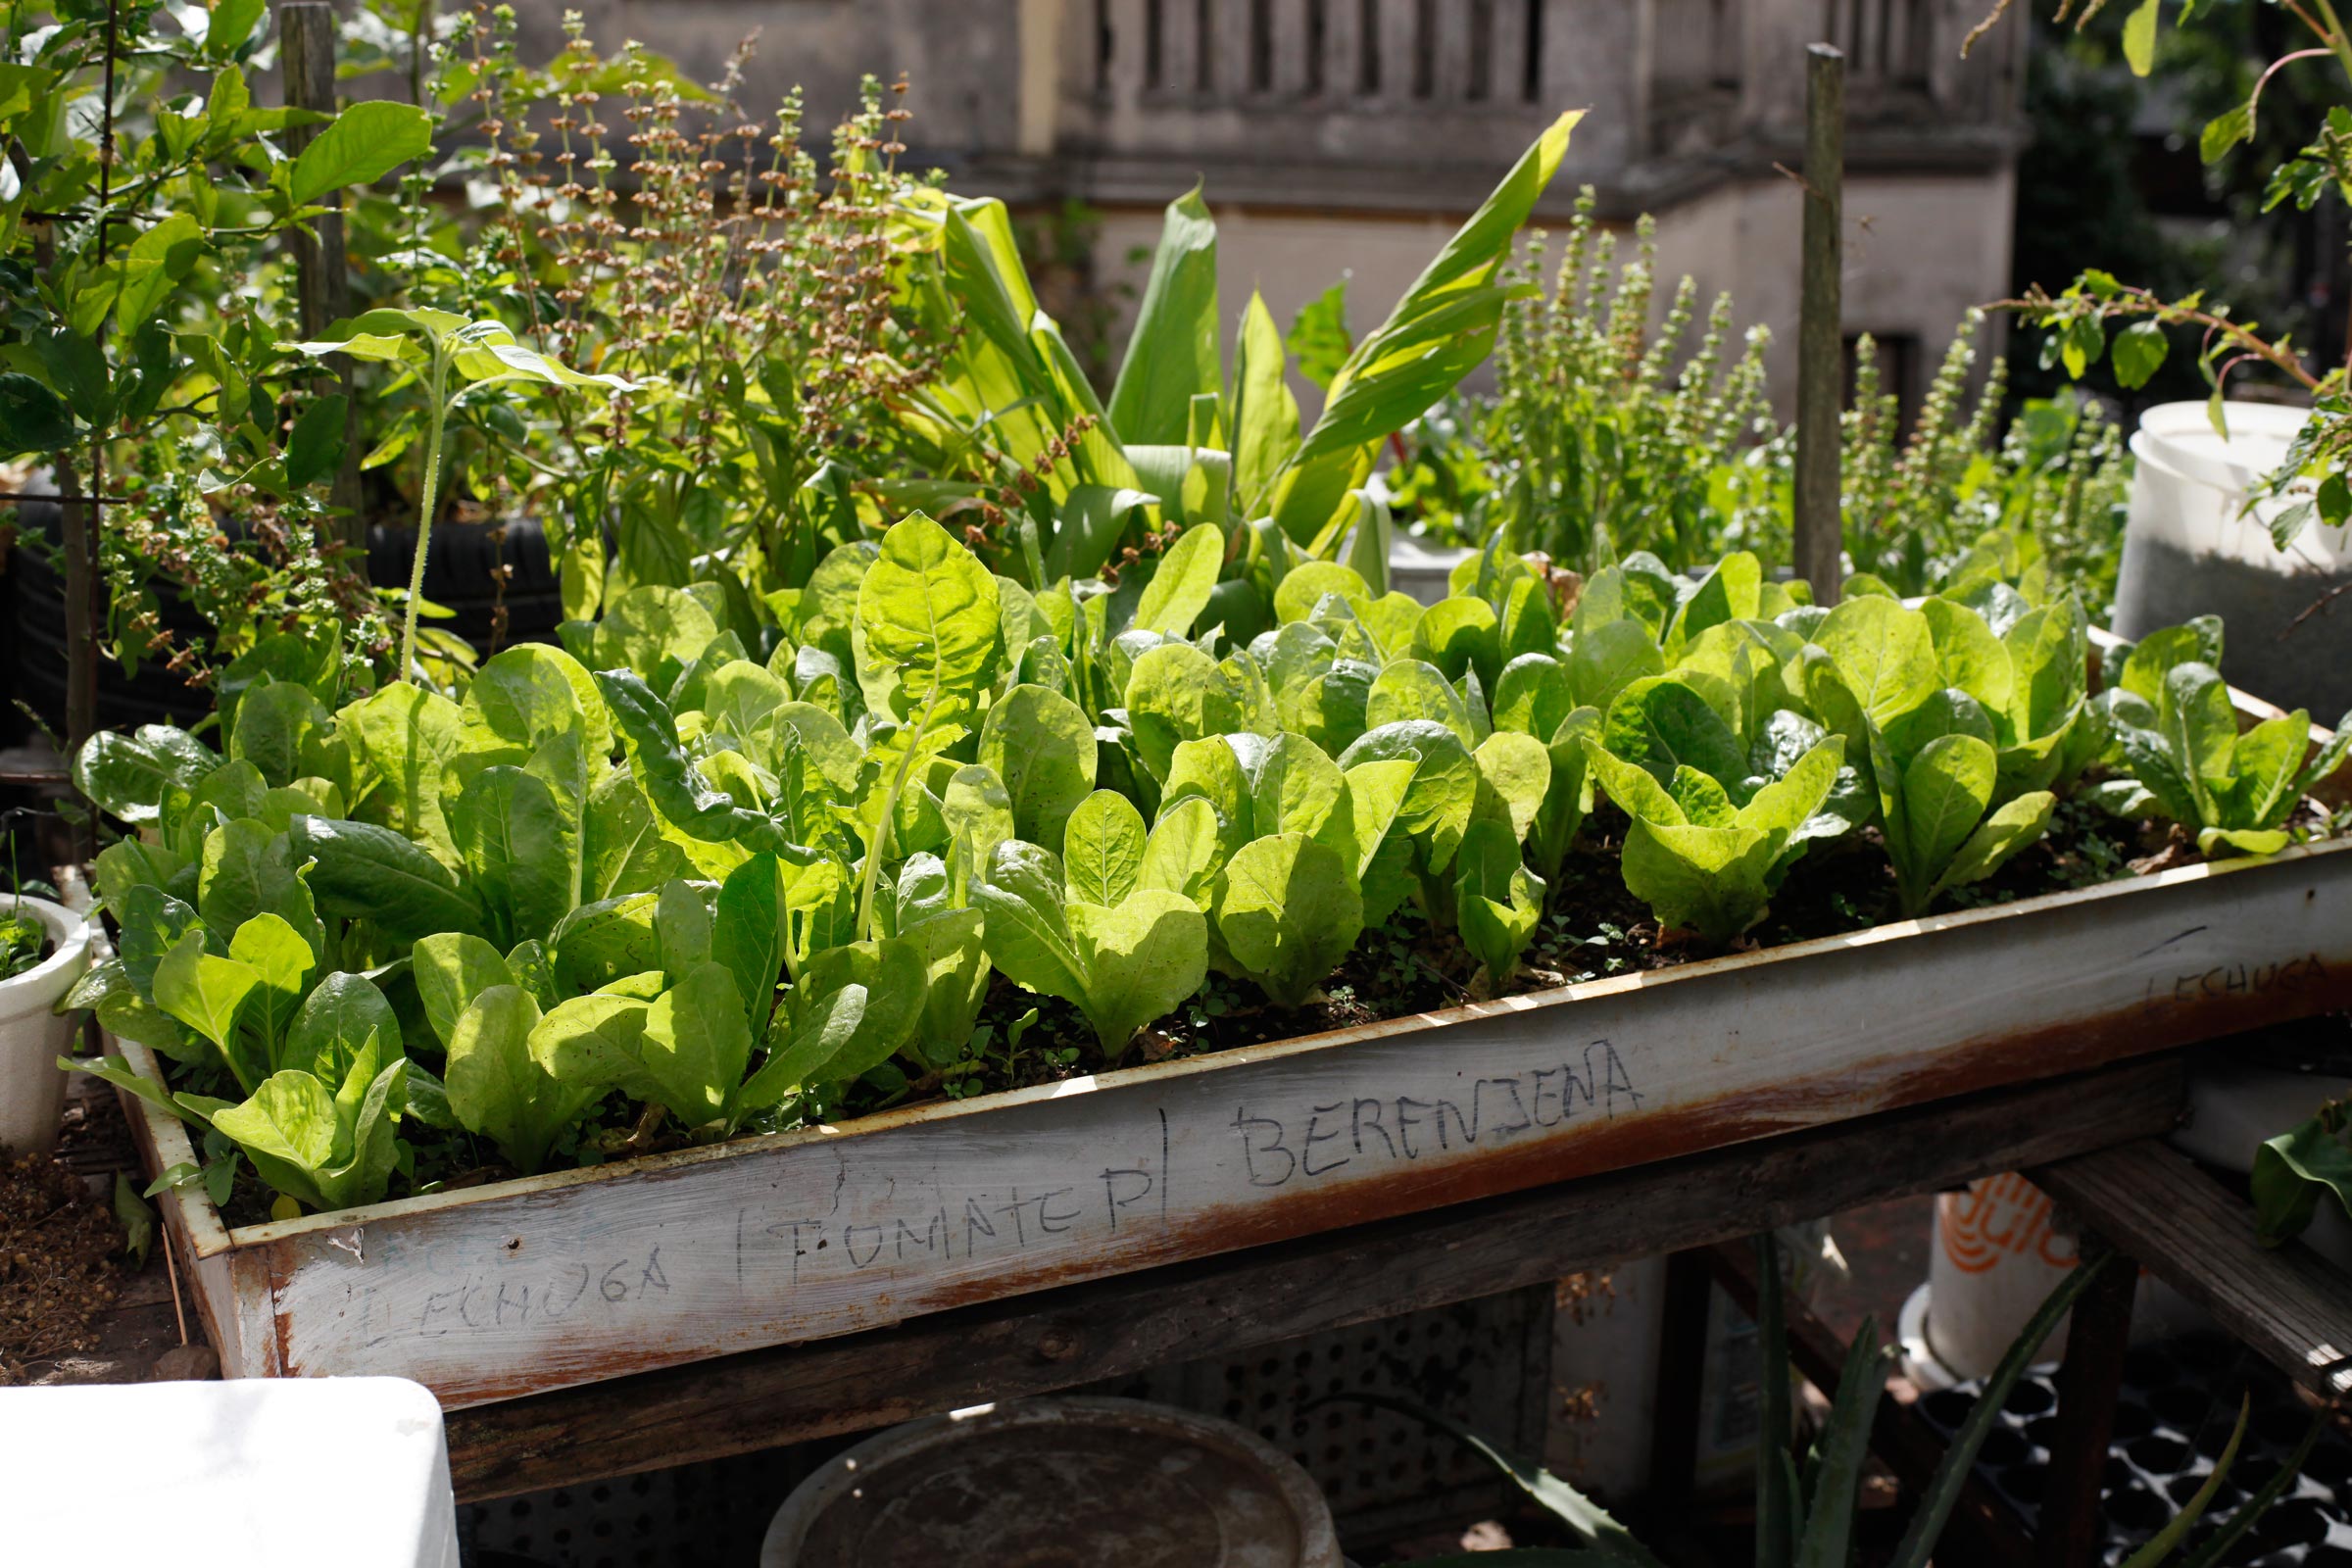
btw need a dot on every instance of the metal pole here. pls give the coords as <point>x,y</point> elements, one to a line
<point>307,44</point>
<point>1820,335</point>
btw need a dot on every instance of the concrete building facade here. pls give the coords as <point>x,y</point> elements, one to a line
<point>1350,135</point>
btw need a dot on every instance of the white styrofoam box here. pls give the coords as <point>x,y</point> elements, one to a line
<point>262,1470</point>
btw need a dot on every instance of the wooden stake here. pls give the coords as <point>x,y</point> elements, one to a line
<point>1820,335</point>
<point>307,38</point>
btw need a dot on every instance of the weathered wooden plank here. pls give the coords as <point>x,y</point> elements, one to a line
<point>1006,1349</point>
<point>500,1290</point>
<point>2190,1231</point>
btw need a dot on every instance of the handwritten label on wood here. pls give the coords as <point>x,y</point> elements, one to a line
<point>592,1274</point>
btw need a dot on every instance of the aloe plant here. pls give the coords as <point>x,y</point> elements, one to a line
<point>1805,1514</point>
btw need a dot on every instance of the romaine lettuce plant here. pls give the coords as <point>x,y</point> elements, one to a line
<point>1936,705</point>
<point>2175,731</point>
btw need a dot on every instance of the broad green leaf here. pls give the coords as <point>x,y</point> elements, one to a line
<point>1410,689</point>
<point>651,624</point>
<point>406,736</point>
<point>1946,786</point>
<point>126,774</point>
<point>1172,351</point>
<point>344,1020</point>
<point>1177,693</point>
<point>208,994</point>
<point>803,1046</point>
<point>1184,851</point>
<point>495,1087</point>
<point>287,1129</point>
<point>451,969</point>
<point>1028,935</point>
<point>1968,656</point>
<point>1459,634</point>
<point>1497,900</point>
<point>530,694</point>
<point>1437,809</point>
<point>1288,909</point>
<point>1533,696</point>
<point>596,1040</point>
<point>249,870</point>
<point>1103,859</point>
<point>927,619</point>
<point>1885,652</point>
<point>367,872</point>
<point>622,849</point>
<point>366,142</point>
<point>1608,656</point>
<point>1305,586</point>
<point>1660,722</point>
<point>1295,787</point>
<point>897,980</point>
<point>519,856</point>
<point>682,928</point>
<point>1142,959</point>
<point>1712,880</point>
<point>281,960</point>
<point>1265,418</point>
<point>1041,747</point>
<point>750,932</point>
<point>953,946</point>
<point>1514,774</point>
<point>2009,829</point>
<point>1179,591</point>
<point>696,1044</point>
<point>2152,658</point>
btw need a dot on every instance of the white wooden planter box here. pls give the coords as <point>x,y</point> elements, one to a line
<point>502,1291</point>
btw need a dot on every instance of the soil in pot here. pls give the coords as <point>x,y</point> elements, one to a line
<point>57,1263</point>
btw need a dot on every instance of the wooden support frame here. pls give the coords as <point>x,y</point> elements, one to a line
<point>2152,1203</point>
<point>1078,1333</point>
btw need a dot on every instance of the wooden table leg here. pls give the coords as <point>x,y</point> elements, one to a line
<point>2088,1378</point>
<point>1681,1378</point>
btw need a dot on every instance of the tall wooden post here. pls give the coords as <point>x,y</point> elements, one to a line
<point>307,44</point>
<point>1820,335</point>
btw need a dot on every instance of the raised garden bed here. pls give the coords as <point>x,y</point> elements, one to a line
<point>504,1290</point>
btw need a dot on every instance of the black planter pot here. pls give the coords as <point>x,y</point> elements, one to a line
<point>459,576</point>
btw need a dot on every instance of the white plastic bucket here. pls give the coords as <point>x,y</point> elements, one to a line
<point>1994,1260</point>
<point>32,1092</point>
<point>2193,547</point>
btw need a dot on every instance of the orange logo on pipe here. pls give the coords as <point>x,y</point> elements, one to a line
<point>1997,1217</point>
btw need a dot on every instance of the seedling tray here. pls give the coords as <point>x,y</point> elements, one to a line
<point>500,1290</point>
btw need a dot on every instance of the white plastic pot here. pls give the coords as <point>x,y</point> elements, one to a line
<point>32,1092</point>
<point>2236,1107</point>
<point>2193,547</point>
<point>1994,1257</point>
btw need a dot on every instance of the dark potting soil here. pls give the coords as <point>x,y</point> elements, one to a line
<point>58,1268</point>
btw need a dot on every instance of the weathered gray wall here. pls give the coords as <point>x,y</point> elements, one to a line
<point>961,57</point>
